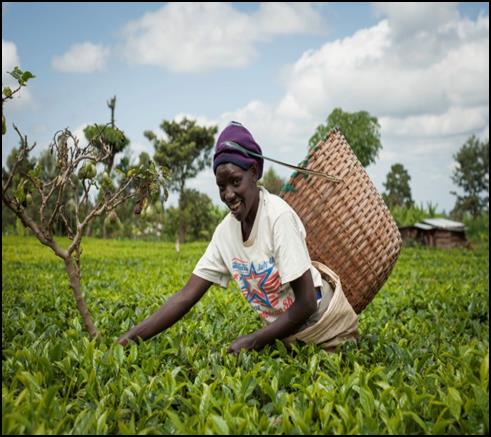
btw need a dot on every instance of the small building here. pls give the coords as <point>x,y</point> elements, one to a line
<point>436,232</point>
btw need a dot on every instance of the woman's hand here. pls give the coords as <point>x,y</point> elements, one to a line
<point>246,342</point>
<point>123,340</point>
<point>169,313</point>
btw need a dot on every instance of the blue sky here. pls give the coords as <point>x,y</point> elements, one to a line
<point>279,68</point>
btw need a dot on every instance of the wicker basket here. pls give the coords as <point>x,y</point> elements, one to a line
<point>349,228</point>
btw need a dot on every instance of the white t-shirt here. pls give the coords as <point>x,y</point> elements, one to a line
<point>263,266</point>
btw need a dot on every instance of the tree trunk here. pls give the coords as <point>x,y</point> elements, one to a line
<point>182,231</point>
<point>182,227</point>
<point>74,275</point>
<point>88,230</point>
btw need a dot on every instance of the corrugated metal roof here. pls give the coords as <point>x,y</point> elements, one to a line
<point>423,226</point>
<point>444,224</point>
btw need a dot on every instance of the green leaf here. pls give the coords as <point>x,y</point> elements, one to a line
<point>454,402</point>
<point>27,75</point>
<point>344,413</point>
<point>366,400</point>
<point>440,426</point>
<point>16,73</point>
<point>176,422</point>
<point>101,424</point>
<point>484,370</point>
<point>219,425</point>
<point>7,92</point>
<point>417,419</point>
<point>119,355</point>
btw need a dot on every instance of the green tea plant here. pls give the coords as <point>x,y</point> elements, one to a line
<point>421,365</point>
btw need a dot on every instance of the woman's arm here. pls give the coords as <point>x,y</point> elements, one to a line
<point>304,306</point>
<point>170,312</point>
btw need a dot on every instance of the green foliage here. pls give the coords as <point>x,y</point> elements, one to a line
<point>186,151</point>
<point>19,228</point>
<point>198,214</point>
<point>420,367</point>
<point>397,186</point>
<point>105,137</point>
<point>407,216</point>
<point>113,137</point>
<point>20,76</point>
<point>472,176</point>
<point>271,181</point>
<point>477,228</point>
<point>7,93</point>
<point>19,182</point>
<point>288,187</point>
<point>361,130</point>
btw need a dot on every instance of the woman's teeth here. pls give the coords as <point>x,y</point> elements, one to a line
<point>235,206</point>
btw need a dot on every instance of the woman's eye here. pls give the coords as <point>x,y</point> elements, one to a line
<point>236,182</point>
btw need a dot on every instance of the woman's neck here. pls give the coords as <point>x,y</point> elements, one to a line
<point>248,223</point>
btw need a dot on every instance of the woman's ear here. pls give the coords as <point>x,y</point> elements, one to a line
<point>254,170</point>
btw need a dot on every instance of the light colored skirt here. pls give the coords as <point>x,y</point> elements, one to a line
<point>337,324</point>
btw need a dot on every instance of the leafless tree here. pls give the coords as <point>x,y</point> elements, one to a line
<point>76,176</point>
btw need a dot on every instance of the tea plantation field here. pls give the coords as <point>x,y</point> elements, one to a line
<point>420,367</point>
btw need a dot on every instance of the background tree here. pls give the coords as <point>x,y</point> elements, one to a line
<point>472,176</point>
<point>107,136</point>
<point>397,185</point>
<point>200,215</point>
<point>271,181</point>
<point>361,130</point>
<point>75,174</point>
<point>186,150</point>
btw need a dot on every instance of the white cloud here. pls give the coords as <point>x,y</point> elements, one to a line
<point>410,18</point>
<point>428,104</point>
<point>191,37</point>
<point>78,133</point>
<point>456,120</point>
<point>10,59</point>
<point>136,148</point>
<point>85,57</point>
<point>277,132</point>
<point>277,18</point>
<point>200,120</point>
<point>361,72</point>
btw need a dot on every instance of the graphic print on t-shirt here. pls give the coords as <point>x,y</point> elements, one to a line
<point>260,284</point>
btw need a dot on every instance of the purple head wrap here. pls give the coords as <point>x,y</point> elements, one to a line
<point>236,133</point>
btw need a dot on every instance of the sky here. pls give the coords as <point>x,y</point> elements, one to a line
<point>278,68</point>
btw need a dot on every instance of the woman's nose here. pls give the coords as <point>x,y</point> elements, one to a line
<point>228,194</point>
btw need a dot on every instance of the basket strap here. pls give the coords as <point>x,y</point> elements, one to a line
<point>238,147</point>
<point>326,270</point>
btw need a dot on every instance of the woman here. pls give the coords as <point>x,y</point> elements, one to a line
<point>261,245</point>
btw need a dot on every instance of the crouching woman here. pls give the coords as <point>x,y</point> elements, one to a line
<point>261,245</point>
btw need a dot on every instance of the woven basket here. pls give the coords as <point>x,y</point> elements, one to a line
<point>349,227</point>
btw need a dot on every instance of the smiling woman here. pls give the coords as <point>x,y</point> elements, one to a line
<point>261,246</point>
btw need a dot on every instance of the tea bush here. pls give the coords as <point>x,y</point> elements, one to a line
<point>421,365</point>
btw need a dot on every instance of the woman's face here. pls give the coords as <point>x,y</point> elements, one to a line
<point>238,190</point>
